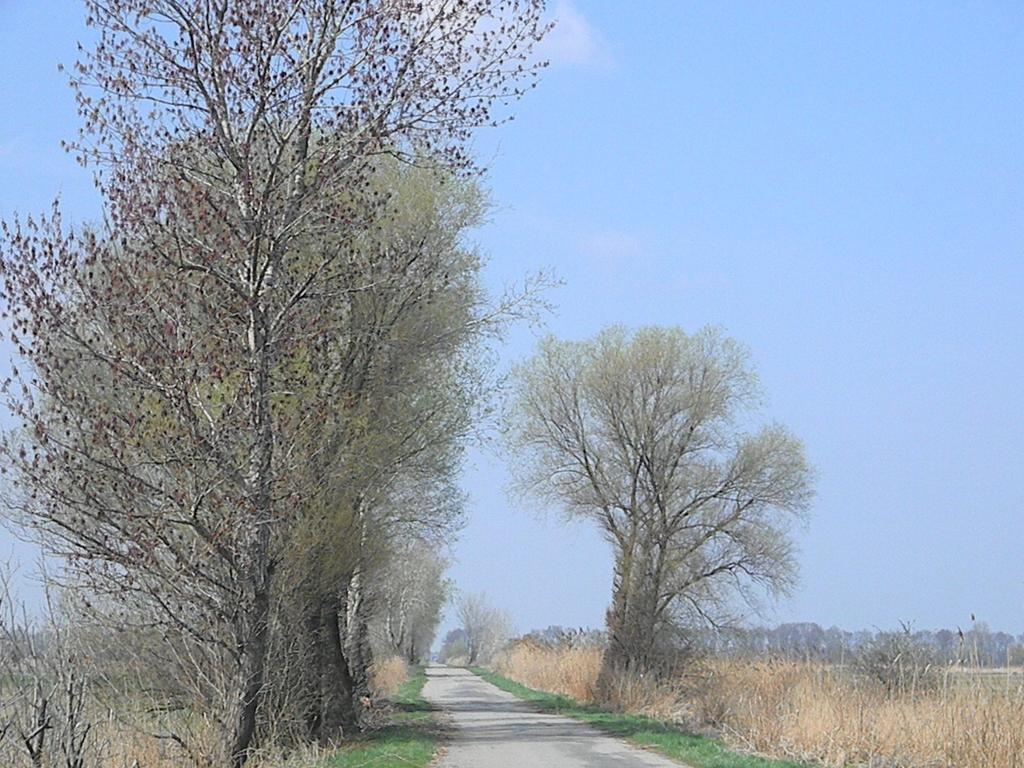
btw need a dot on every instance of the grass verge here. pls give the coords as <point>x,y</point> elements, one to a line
<point>696,751</point>
<point>410,741</point>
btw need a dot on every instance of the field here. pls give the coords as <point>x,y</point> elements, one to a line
<point>401,733</point>
<point>807,711</point>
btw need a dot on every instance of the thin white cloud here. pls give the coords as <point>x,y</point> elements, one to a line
<point>573,41</point>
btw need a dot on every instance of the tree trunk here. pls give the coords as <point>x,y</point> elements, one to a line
<point>254,654</point>
<point>339,713</point>
<point>360,651</point>
<point>254,645</point>
<point>311,672</point>
<point>632,625</point>
<point>617,658</point>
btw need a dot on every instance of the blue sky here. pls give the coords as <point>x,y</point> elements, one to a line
<point>840,186</point>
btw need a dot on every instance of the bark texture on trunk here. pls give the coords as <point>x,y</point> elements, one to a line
<point>339,711</point>
<point>632,624</point>
<point>260,475</point>
<point>360,650</point>
<point>252,670</point>
<point>311,672</point>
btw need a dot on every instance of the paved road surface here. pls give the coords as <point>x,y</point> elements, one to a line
<point>494,729</point>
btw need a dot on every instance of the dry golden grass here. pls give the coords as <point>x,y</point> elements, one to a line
<point>112,743</point>
<point>127,740</point>
<point>573,672</point>
<point>820,712</point>
<point>386,675</point>
<point>570,671</point>
<point>810,711</point>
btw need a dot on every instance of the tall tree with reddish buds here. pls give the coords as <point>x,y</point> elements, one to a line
<point>176,356</point>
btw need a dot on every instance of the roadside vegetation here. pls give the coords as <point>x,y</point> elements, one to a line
<point>819,712</point>
<point>695,750</point>
<point>408,740</point>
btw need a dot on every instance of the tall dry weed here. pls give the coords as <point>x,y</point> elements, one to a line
<point>573,672</point>
<point>569,671</point>
<point>809,711</point>
<point>825,713</point>
<point>135,738</point>
<point>386,675</point>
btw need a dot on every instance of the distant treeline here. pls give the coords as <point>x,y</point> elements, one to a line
<point>977,646</point>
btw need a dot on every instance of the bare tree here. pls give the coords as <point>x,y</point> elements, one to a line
<point>178,356</point>
<point>413,592</point>
<point>454,647</point>
<point>485,628</point>
<point>43,687</point>
<point>901,661</point>
<point>642,434</point>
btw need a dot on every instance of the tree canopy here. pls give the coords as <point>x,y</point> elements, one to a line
<point>647,435</point>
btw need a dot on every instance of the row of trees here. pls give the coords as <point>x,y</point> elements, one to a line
<point>807,641</point>
<point>978,645</point>
<point>243,396</point>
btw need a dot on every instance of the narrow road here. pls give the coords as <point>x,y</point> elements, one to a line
<point>494,729</point>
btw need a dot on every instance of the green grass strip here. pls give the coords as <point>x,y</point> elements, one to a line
<point>409,742</point>
<point>696,751</point>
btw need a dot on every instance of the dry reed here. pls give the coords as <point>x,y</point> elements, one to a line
<point>386,675</point>
<point>809,711</point>
<point>573,672</point>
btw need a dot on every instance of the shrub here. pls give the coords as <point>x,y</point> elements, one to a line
<point>900,661</point>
